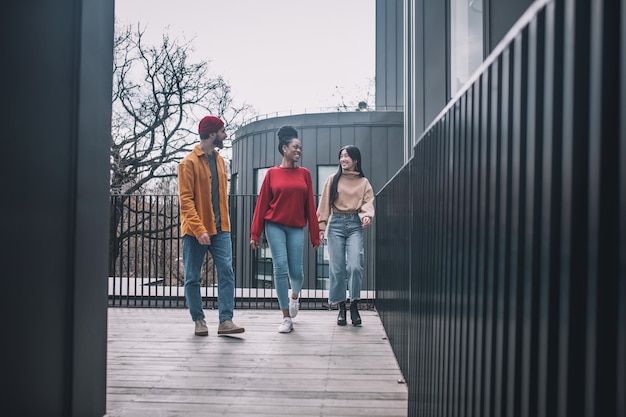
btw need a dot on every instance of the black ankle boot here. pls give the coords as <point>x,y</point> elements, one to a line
<point>354,313</point>
<point>341,318</point>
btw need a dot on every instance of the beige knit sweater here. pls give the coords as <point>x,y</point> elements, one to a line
<point>354,194</point>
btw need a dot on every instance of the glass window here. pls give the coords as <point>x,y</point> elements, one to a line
<point>323,172</point>
<point>234,184</point>
<point>263,255</point>
<point>258,179</point>
<point>466,44</point>
<point>264,265</point>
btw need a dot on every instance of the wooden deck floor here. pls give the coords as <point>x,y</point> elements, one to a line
<point>157,367</point>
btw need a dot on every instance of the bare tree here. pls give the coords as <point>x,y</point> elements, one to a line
<point>159,94</point>
<point>359,100</point>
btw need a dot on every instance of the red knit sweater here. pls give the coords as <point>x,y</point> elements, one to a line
<point>286,197</point>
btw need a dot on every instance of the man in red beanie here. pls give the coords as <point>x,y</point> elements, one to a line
<point>205,225</point>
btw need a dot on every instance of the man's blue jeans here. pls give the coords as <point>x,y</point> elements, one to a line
<point>344,235</point>
<point>287,246</point>
<point>193,257</point>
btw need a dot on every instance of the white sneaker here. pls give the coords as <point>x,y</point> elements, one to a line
<point>294,306</point>
<point>286,326</point>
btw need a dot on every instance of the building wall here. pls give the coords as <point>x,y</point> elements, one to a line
<point>55,180</point>
<point>377,134</point>
<point>427,55</point>
<point>389,54</point>
<point>501,16</point>
<point>509,297</point>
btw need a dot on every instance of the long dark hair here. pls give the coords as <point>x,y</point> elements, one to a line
<point>355,154</point>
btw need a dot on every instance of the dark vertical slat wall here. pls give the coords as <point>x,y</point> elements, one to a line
<point>621,333</point>
<point>393,256</point>
<point>501,245</point>
<point>56,135</point>
<point>389,87</point>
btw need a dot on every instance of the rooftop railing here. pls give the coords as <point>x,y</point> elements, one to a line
<point>315,110</point>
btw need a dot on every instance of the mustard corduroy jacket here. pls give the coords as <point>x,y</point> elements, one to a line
<point>194,193</point>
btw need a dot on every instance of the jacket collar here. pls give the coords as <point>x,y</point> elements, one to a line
<point>198,151</point>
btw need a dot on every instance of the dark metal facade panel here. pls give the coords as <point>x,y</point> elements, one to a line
<point>322,148</point>
<point>393,265</point>
<point>512,298</point>
<point>56,138</point>
<point>389,54</point>
<point>621,291</point>
<point>501,17</point>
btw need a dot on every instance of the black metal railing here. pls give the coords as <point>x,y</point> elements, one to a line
<point>506,293</point>
<point>146,269</point>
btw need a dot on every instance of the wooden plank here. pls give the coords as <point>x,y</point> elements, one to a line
<point>158,367</point>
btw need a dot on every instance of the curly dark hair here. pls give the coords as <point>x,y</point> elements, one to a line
<point>285,134</point>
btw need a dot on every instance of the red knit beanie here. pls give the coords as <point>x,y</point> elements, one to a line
<point>209,124</point>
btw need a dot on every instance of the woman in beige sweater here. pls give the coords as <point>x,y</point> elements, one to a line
<point>345,208</point>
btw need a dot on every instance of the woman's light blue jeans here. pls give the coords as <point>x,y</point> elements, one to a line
<point>344,235</point>
<point>287,246</point>
<point>193,256</point>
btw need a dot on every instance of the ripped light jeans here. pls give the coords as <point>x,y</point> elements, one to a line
<point>344,235</point>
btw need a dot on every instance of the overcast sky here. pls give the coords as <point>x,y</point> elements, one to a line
<point>277,55</point>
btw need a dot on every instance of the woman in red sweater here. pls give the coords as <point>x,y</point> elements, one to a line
<point>284,207</point>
